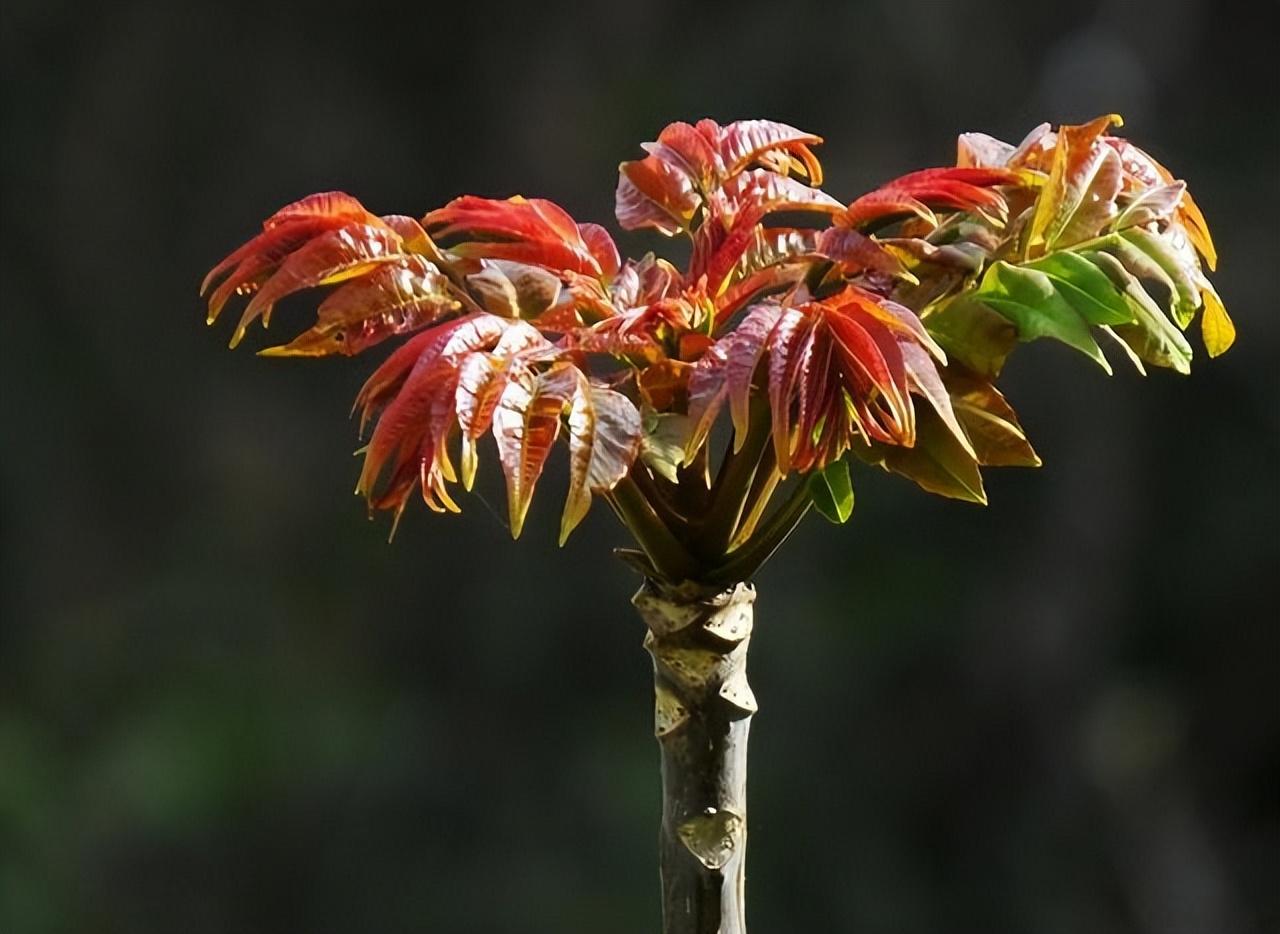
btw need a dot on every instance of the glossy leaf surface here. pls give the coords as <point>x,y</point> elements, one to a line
<point>802,327</point>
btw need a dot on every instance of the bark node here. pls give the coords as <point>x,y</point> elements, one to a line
<point>698,638</point>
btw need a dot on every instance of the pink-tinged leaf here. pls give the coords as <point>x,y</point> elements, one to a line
<point>790,335</point>
<point>817,383</point>
<point>613,337</point>
<point>707,391</point>
<point>924,379</point>
<point>1036,149</point>
<point>525,425</point>
<point>746,141</point>
<point>854,253</point>
<point>644,282</point>
<point>472,332</point>
<point>692,149</point>
<point>980,151</point>
<point>601,246</point>
<point>397,298</point>
<point>874,365</point>
<point>330,258</point>
<point>1078,200</point>
<point>717,262</point>
<point>411,232</point>
<point>732,233</point>
<point>654,193</point>
<point>1143,171</point>
<point>536,231</point>
<point>743,350</point>
<point>772,245</point>
<point>898,318</point>
<point>769,191</point>
<point>408,418</point>
<point>482,376</point>
<point>1150,205</point>
<point>772,279</point>
<point>605,435</point>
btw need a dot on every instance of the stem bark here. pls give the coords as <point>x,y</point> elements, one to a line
<point>698,638</point>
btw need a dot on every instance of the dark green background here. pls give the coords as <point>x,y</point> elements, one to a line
<point>226,705</point>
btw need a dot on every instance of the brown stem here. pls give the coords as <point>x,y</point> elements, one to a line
<point>698,637</point>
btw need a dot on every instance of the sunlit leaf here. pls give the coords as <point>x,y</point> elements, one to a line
<point>397,298</point>
<point>973,334</point>
<point>964,189</point>
<point>327,259</point>
<point>745,141</point>
<point>525,425</point>
<point>832,492</point>
<point>1216,328</point>
<point>666,436</point>
<point>1152,336</point>
<point>1150,205</point>
<point>937,462</point>
<point>605,436</point>
<point>534,231</point>
<point>990,423</point>
<point>1079,197</point>
<point>1032,301</point>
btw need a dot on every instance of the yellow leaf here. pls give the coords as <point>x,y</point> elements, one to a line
<point>1215,325</point>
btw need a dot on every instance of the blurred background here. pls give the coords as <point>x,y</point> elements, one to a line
<point>227,705</point>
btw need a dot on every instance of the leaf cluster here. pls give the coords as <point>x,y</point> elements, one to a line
<point>807,326</point>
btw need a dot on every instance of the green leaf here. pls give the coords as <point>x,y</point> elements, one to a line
<point>1085,287</point>
<point>972,334</point>
<point>1180,268</point>
<point>1152,336</point>
<point>1031,300</point>
<point>832,492</point>
<point>663,446</point>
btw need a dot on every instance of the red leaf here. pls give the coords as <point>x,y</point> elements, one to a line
<point>602,247</point>
<point>653,192</point>
<point>745,141</point>
<point>331,257</point>
<point>397,298</point>
<point>525,425</point>
<point>854,252</point>
<point>786,347</point>
<point>332,204</point>
<point>251,263</point>
<point>961,189</point>
<point>694,149</point>
<point>419,352</point>
<point>743,352</point>
<point>538,232</point>
<point>707,390</point>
